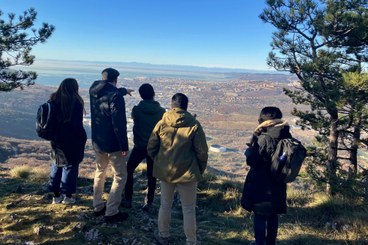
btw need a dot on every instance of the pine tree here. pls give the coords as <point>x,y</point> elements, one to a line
<point>319,41</point>
<point>17,37</point>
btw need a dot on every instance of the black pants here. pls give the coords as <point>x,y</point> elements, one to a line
<point>265,229</point>
<point>136,157</point>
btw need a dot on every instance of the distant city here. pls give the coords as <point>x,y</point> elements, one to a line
<point>227,103</point>
<point>51,72</point>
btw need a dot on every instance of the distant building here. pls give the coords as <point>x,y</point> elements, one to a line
<point>217,148</point>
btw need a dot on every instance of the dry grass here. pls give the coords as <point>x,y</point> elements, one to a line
<point>26,215</point>
<point>22,172</point>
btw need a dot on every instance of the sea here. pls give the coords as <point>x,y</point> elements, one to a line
<point>52,72</point>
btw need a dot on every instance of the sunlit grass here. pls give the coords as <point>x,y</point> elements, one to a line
<point>22,172</point>
<point>312,218</point>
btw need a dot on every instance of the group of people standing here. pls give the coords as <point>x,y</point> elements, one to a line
<point>174,146</point>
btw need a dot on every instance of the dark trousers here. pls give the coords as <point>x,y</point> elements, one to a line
<point>136,157</point>
<point>265,229</point>
<point>64,179</point>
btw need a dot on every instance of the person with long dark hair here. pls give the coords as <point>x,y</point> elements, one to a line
<point>70,139</point>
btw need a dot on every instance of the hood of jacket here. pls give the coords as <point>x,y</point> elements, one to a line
<point>150,107</point>
<point>97,88</point>
<point>279,130</point>
<point>178,118</point>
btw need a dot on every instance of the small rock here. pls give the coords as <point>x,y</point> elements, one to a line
<point>37,230</point>
<point>79,226</point>
<point>345,227</point>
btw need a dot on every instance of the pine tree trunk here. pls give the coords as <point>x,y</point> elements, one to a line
<point>354,148</point>
<point>332,157</point>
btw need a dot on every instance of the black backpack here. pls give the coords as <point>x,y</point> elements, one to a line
<point>46,121</point>
<point>287,160</point>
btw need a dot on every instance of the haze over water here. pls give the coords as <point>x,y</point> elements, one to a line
<point>52,72</point>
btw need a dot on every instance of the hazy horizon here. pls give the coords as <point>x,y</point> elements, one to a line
<point>52,72</point>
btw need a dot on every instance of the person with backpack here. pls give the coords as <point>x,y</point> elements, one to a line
<point>179,150</point>
<point>145,116</point>
<point>68,141</point>
<point>110,143</point>
<point>262,193</point>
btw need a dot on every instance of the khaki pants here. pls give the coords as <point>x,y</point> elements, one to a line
<point>119,169</point>
<point>188,198</point>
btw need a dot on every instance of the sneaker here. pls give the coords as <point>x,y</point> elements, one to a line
<point>119,217</point>
<point>56,200</point>
<point>101,212</point>
<point>126,204</point>
<point>146,207</point>
<point>161,240</point>
<point>68,200</point>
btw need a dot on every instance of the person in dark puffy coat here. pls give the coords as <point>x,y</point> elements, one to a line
<point>110,143</point>
<point>261,193</point>
<point>68,145</point>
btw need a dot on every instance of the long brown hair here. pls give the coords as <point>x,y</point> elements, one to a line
<point>65,97</point>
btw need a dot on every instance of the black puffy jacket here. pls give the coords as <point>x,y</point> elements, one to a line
<point>260,188</point>
<point>109,131</point>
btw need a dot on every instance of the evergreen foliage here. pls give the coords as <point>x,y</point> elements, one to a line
<point>322,42</point>
<point>17,38</point>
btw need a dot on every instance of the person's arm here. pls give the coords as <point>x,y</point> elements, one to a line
<point>201,148</point>
<point>132,114</point>
<point>266,148</point>
<point>118,118</point>
<point>252,154</point>
<point>125,91</point>
<point>77,121</point>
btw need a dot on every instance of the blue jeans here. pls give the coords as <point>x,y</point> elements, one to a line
<point>265,229</point>
<point>64,179</point>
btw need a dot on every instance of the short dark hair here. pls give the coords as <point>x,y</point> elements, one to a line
<point>269,113</point>
<point>146,91</point>
<point>110,74</point>
<point>180,100</point>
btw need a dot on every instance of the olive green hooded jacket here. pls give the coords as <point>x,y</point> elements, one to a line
<point>179,148</point>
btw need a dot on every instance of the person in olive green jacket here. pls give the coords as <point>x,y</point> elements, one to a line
<point>179,150</point>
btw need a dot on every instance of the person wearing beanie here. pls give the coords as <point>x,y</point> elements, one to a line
<point>110,143</point>
<point>263,195</point>
<point>145,116</point>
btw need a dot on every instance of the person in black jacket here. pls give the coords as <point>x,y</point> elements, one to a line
<point>110,142</point>
<point>261,193</point>
<point>145,116</point>
<point>68,145</point>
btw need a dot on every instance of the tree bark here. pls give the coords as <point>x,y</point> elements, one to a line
<point>332,155</point>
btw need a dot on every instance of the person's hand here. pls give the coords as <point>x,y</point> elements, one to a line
<point>129,91</point>
<point>248,152</point>
<point>124,153</point>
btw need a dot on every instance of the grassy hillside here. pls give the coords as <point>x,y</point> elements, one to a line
<point>27,217</point>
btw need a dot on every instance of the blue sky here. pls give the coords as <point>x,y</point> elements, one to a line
<point>210,33</point>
